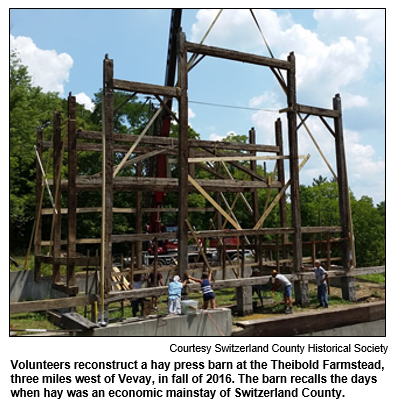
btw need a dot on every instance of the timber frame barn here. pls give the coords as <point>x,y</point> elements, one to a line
<point>190,155</point>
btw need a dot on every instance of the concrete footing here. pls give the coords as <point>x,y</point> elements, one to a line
<point>301,291</point>
<point>358,320</point>
<point>202,324</point>
<point>348,288</point>
<point>244,300</point>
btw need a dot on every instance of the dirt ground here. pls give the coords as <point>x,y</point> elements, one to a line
<point>369,291</point>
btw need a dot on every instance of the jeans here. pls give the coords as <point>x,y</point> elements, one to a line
<point>322,295</point>
<point>136,306</point>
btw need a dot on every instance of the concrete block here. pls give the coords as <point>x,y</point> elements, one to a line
<point>211,323</point>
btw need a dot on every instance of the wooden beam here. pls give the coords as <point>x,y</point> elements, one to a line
<point>146,88</point>
<point>237,56</point>
<point>53,304</point>
<point>237,158</point>
<point>213,202</point>
<point>131,183</point>
<point>278,197</point>
<point>107,177</point>
<point>72,188</point>
<point>183,148</point>
<point>311,110</point>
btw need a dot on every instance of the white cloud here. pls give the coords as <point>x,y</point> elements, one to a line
<point>215,137</point>
<point>48,69</point>
<point>84,100</point>
<point>340,56</point>
<point>191,113</point>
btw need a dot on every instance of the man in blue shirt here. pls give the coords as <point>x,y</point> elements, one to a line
<point>321,281</point>
<point>174,299</point>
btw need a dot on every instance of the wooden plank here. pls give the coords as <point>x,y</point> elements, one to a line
<point>237,158</point>
<point>72,188</point>
<point>122,164</point>
<point>116,210</point>
<point>294,163</point>
<point>131,183</point>
<point>343,187</point>
<point>311,110</point>
<point>278,197</point>
<point>39,191</point>
<point>107,175</point>
<point>216,285</point>
<point>145,88</point>
<point>213,202</point>
<point>74,321</point>
<point>173,142</point>
<point>237,56</point>
<point>205,234</point>
<point>43,305</point>
<point>57,166</point>
<point>183,148</point>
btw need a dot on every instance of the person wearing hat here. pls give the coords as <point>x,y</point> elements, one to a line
<point>174,295</point>
<point>321,281</point>
<point>280,280</point>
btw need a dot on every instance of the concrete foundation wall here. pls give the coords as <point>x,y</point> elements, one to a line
<point>356,320</point>
<point>371,329</point>
<point>24,288</point>
<point>202,324</point>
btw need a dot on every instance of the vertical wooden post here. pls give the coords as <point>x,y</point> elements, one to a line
<point>107,174</point>
<point>155,269</point>
<point>57,162</point>
<point>255,199</point>
<point>343,188</point>
<point>328,251</point>
<point>139,223</point>
<point>281,178</point>
<point>294,166</point>
<point>255,203</point>
<point>38,197</point>
<point>278,252</point>
<point>72,196</point>
<point>183,155</point>
<point>313,250</point>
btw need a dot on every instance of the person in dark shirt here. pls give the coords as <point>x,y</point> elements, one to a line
<point>208,294</point>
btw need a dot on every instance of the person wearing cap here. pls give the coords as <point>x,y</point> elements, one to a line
<point>280,280</point>
<point>174,295</point>
<point>321,281</point>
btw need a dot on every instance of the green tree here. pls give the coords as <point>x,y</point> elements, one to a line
<point>29,109</point>
<point>369,229</point>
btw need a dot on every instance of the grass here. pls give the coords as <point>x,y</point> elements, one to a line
<point>224,297</point>
<point>377,278</point>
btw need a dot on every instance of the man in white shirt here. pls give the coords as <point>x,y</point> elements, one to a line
<point>280,280</point>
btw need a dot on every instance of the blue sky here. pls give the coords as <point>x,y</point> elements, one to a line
<point>337,51</point>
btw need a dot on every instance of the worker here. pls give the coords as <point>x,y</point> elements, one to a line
<point>280,281</point>
<point>151,283</point>
<point>174,294</point>
<point>208,294</point>
<point>138,281</point>
<point>321,281</point>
